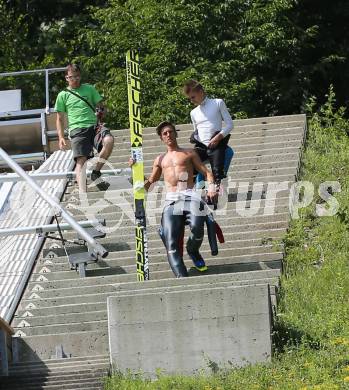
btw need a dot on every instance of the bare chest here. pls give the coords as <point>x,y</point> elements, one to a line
<point>176,160</point>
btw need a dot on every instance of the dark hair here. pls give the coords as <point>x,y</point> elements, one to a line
<point>72,68</point>
<point>162,125</point>
<point>192,85</point>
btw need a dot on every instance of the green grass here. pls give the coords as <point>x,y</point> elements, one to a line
<point>311,333</point>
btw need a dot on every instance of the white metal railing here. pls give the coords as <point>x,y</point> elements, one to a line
<point>97,248</point>
<point>49,228</point>
<point>64,175</point>
<point>47,94</point>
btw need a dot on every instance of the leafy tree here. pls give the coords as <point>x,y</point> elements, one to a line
<point>264,57</point>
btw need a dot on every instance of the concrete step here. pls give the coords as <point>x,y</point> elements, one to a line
<point>63,364</point>
<point>270,119</point>
<point>98,210</point>
<point>74,344</point>
<point>126,223</point>
<point>234,232</point>
<point>59,385</point>
<point>155,205</point>
<point>50,286</point>
<point>238,135</point>
<point>213,279</point>
<point>272,151</point>
<point>248,122</point>
<point>121,243</point>
<point>67,372</point>
<point>239,160</point>
<point>234,220</point>
<point>238,172</point>
<point>272,282</point>
<point>90,307</point>
<point>71,318</point>
<point>43,375</point>
<point>245,263</point>
<point>238,193</point>
<point>246,125</point>
<point>157,261</point>
<point>231,224</point>
<point>58,324</point>
<point>116,257</point>
<point>61,319</point>
<point>57,310</point>
<point>258,146</point>
<point>59,288</point>
<point>151,144</point>
<point>155,245</point>
<point>239,125</point>
<point>252,167</point>
<point>230,186</point>
<point>84,326</point>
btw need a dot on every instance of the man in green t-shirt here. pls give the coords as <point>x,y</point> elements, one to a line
<point>79,102</point>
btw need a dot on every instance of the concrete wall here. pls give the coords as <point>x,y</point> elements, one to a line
<point>187,331</point>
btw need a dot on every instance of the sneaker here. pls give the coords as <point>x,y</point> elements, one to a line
<point>199,262</point>
<point>100,183</point>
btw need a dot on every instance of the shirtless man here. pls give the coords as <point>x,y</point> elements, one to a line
<point>183,205</point>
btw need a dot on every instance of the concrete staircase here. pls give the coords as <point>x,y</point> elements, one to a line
<point>75,373</point>
<point>61,323</point>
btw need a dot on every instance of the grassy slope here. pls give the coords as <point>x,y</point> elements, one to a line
<point>311,336</point>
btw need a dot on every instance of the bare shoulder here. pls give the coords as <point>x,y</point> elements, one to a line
<point>191,153</point>
<point>158,160</point>
<point>188,151</point>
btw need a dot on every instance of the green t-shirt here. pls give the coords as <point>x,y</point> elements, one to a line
<point>79,113</point>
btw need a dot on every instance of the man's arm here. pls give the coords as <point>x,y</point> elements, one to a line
<point>60,129</point>
<point>228,125</point>
<point>228,122</point>
<point>201,167</point>
<point>155,174</point>
<point>194,136</point>
<point>193,121</point>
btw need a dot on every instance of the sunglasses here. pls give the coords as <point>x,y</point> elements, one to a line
<point>72,77</point>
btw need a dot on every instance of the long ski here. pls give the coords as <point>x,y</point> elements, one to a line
<point>134,93</point>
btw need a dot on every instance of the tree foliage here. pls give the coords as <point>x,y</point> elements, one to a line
<point>264,57</point>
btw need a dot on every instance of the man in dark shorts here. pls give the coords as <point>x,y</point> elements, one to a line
<point>79,102</point>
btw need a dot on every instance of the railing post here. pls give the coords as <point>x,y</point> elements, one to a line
<point>47,94</point>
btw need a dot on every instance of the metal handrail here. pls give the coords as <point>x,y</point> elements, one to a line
<point>50,228</point>
<point>98,249</point>
<point>21,72</point>
<point>46,71</point>
<point>64,175</point>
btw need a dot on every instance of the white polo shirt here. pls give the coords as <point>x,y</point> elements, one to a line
<point>207,119</point>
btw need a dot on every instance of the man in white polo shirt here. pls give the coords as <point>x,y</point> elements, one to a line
<point>210,137</point>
